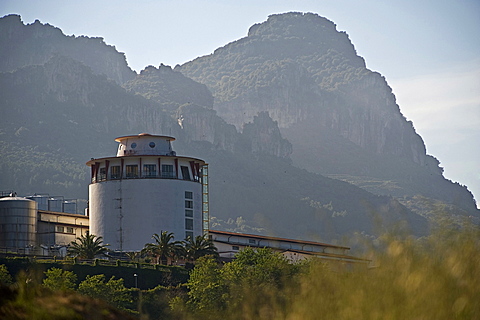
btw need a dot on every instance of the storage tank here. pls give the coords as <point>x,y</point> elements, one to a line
<point>145,189</point>
<point>69,206</point>
<point>55,204</point>
<point>18,222</point>
<point>42,201</point>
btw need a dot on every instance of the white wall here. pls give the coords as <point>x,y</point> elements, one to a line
<point>140,208</point>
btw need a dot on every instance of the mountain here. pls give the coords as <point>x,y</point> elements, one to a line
<point>266,129</point>
<point>341,118</point>
<point>36,43</point>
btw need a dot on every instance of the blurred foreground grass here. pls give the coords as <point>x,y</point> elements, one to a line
<point>436,277</point>
<point>430,278</point>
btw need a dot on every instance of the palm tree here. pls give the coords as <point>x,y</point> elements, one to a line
<point>87,246</point>
<point>164,247</point>
<point>133,255</point>
<point>198,247</point>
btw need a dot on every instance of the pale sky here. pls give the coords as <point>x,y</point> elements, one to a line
<point>428,50</point>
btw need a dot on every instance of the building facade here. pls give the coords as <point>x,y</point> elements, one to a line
<point>146,189</point>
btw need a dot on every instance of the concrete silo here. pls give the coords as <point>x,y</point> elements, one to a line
<point>18,223</point>
<point>144,190</point>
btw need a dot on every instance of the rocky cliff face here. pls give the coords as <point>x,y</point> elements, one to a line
<point>371,119</point>
<point>202,124</point>
<point>34,44</point>
<point>64,97</point>
<point>298,67</point>
<point>190,103</point>
<point>264,137</point>
<point>341,118</point>
<point>170,88</point>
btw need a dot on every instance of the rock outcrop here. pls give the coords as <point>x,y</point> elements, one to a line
<point>264,136</point>
<point>201,124</point>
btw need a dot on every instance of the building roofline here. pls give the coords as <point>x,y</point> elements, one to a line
<point>56,213</point>
<point>119,139</point>
<point>310,253</point>
<point>244,235</point>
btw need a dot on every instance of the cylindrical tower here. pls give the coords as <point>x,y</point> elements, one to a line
<point>18,222</point>
<point>145,189</point>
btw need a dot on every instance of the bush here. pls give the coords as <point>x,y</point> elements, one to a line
<point>58,279</point>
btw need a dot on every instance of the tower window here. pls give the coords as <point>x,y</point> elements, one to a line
<point>188,213</point>
<point>167,171</point>
<point>189,204</point>
<point>102,174</point>
<point>189,234</point>
<point>115,172</point>
<point>151,144</point>
<point>189,224</point>
<point>185,173</point>
<point>132,171</point>
<point>150,170</point>
<point>188,195</point>
<point>133,145</point>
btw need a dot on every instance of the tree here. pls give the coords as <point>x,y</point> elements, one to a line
<point>58,279</point>
<point>259,267</point>
<point>198,247</point>
<point>133,255</point>
<point>207,290</point>
<point>87,246</point>
<point>164,247</point>
<point>113,291</point>
<point>5,277</point>
<point>256,278</point>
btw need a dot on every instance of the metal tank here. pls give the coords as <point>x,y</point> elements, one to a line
<point>18,222</point>
<point>41,199</point>
<point>70,206</point>
<point>55,204</point>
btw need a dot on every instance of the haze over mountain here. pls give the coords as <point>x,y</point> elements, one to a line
<point>270,113</point>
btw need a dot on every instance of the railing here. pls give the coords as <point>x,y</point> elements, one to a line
<point>91,262</point>
<point>152,175</point>
<point>168,175</point>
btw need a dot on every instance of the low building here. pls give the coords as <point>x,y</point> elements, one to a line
<point>230,243</point>
<point>26,229</point>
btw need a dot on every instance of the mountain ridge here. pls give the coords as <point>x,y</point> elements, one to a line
<point>35,43</point>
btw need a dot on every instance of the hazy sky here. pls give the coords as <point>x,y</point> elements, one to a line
<point>428,50</point>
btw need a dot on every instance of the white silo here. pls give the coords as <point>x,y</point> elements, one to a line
<point>147,189</point>
<point>18,222</point>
